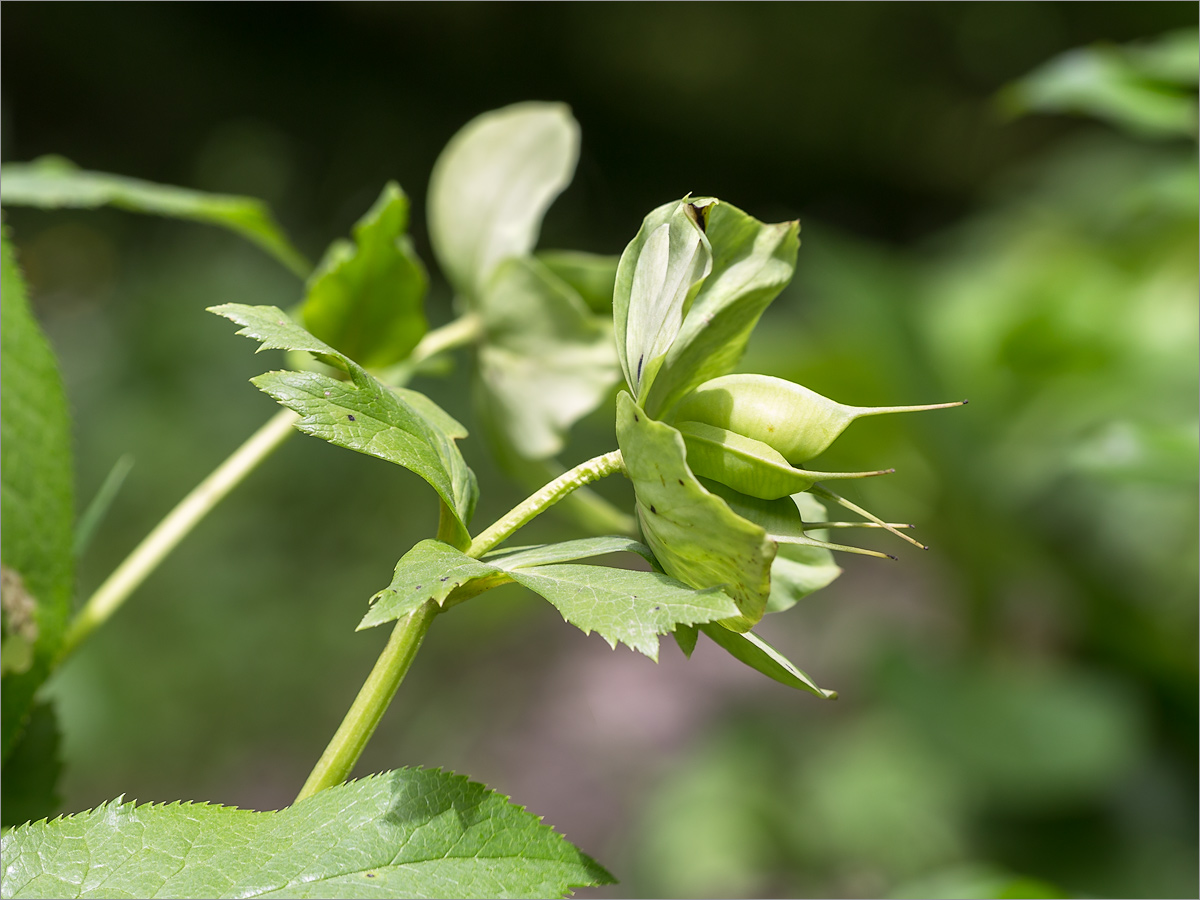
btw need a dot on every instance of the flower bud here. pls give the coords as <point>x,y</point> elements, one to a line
<point>796,422</point>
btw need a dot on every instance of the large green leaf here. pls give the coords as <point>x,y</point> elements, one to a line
<point>36,501</point>
<point>407,833</point>
<point>752,262</point>
<point>493,183</point>
<point>429,571</point>
<point>658,276</point>
<point>365,297</point>
<point>545,360</point>
<point>752,650</point>
<point>362,414</point>
<point>52,182</point>
<point>694,534</point>
<point>621,605</point>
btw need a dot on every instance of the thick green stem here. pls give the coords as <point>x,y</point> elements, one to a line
<point>167,534</point>
<point>154,548</point>
<point>337,762</point>
<point>537,503</point>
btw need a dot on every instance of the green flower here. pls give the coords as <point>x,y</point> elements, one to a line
<point>716,460</point>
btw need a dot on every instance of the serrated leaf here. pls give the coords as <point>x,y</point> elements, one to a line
<point>694,534</point>
<point>594,277</point>
<point>660,272</point>
<point>429,571</point>
<point>752,262</point>
<point>29,786</point>
<point>545,360</point>
<point>53,182</point>
<point>623,605</point>
<point>566,551</point>
<point>363,414</point>
<point>407,833</point>
<point>36,500</point>
<point>492,185</point>
<point>370,418</point>
<point>365,298</point>
<point>752,650</point>
<point>620,604</point>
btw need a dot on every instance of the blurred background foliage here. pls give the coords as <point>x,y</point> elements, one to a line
<point>1019,704</point>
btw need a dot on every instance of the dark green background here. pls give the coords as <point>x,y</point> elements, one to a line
<point>1019,701</point>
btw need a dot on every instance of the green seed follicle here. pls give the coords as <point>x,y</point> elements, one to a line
<point>797,422</point>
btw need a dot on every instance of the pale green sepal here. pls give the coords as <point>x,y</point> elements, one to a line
<point>594,277</point>
<point>799,567</point>
<point>693,533</point>
<point>545,359</point>
<point>752,650</point>
<point>658,276</point>
<point>52,182</point>
<point>752,262</point>
<point>429,571</point>
<point>406,833</point>
<point>566,551</point>
<point>363,414</point>
<point>623,605</point>
<point>365,298</point>
<point>492,185</point>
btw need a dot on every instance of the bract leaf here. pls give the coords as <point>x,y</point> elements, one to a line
<point>566,551</point>
<point>620,604</point>
<point>52,182</point>
<point>623,605</point>
<point>658,276</point>
<point>363,414</point>
<point>407,833</point>
<point>693,533</point>
<point>752,262</point>
<point>594,277</point>
<point>758,654</point>
<point>492,185</point>
<point>545,360</point>
<point>365,297</point>
<point>36,502</point>
<point>429,571</point>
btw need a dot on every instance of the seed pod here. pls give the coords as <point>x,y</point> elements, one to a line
<point>796,422</point>
<point>781,519</point>
<point>749,466</point>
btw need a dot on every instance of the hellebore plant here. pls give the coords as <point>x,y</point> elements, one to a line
<point>728,524</point>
